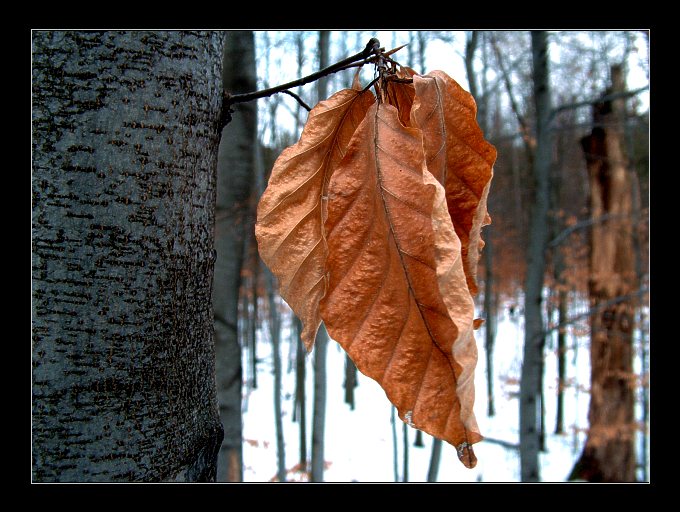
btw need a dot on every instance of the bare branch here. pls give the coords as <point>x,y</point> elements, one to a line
<point>594,310</point>
<point>601,99</point>
<point>299,100</point>
<point>529,141</point>
<point>583,224</point>
<point>372,47</point>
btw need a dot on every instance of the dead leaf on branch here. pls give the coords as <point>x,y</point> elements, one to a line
<point>384,304</point>
<point>291,210</point>
<point>458,156</point>
<point>372,223</point>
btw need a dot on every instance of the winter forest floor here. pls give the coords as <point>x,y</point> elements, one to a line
<point>359,442</point>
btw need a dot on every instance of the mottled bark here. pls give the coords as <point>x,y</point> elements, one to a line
<point>235,175</point>
<point>125,136</point>
<point>532,363</point>
<point>609,453</point>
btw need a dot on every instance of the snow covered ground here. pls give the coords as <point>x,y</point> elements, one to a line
<point>359,443</point>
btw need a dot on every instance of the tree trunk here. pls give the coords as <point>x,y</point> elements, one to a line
<point>434,460</point>
<point>405,444</point>
<point>489,302</point>
<point>235,172</point>
<point>125,137</point>
<point>530,387</point>
<point>300,394</point>
<point>561,359</point>
<point>350,381</point>
<point>395,450</point>
<point>275,335</point>
<point>609,452</point>
<point>321,343</point>
<point>319,412</point>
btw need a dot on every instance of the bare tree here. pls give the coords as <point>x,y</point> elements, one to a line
<point>235,174</point>
<point>125,135</point>
<point>609,453</point>
<point>321,342</point>
<point>532,362</point>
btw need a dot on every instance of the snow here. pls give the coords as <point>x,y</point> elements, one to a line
<point>359,444</point>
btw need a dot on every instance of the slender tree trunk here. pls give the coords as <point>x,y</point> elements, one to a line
<point>235,172</point>
<point>350,381</point>
<point>254,324</point>
<point>321,343</point>
<point>125,137</point>
<point>490,307</point>
<point>561,360</point>
<point>609,451</point>
<point>490,325</point>
<point>275,335</point>
<point>436,456</point>
<point>530,387</point>
<point>319,412</point>
<point>395,450</point>
<point>300,395</point>
<point>405,444</point>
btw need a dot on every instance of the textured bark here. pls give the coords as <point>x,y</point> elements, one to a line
<point>532,364</point>
<point>235,174</point>
<point>125,136</point>
<point>609,453</point>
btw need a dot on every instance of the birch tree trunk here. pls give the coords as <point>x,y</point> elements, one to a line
<point>235,175</point>
<point>125,136</point>
<point>532,363</point>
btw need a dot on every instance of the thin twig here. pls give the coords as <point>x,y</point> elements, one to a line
<point>372,46</point>
<point>584,224</point>
<point>299,100</point>
<point>595,309</point>
<point>601,99</point>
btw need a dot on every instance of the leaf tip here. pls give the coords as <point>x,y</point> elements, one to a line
<point>466,455</point>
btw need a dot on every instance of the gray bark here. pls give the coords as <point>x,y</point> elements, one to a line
<point>319,407</point>
<point>350,381</point>
<point>436,456</point>
<point>125,137</point>
<point>490,307</point>
<point>321,343</point>
<point>235,172</point>
<point>532,364</point>
<point>275,335</point>
<point>405,444</point>
<point>300,394</point>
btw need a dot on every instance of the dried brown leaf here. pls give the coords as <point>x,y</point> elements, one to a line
<point>291,211</point>
<point>391,247</point>
<point>458,156</point>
